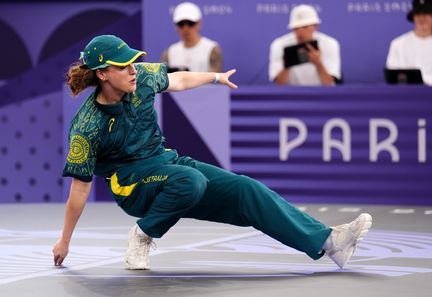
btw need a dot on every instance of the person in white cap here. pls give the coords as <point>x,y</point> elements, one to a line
<point>193,52</point>
<point>324,64</point>
<point>413,50</point>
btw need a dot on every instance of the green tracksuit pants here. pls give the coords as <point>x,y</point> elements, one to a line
<point>164,189</point>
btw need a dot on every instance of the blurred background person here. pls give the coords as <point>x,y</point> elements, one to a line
<point>413,50</point>
<point>324,64</point>
<point>193,52</point>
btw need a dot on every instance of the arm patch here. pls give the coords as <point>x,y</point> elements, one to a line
<point>79,150</point>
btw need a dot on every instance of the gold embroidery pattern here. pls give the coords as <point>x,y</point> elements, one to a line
<point>136,101</point>
<point>79,150</point>
<point>152,67</point>
<point>152,75</point>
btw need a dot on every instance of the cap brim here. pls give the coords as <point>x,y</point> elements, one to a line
<point>425,10</point>
<point>303,24</point>
<point>126,58</point>
<point>180,18</point>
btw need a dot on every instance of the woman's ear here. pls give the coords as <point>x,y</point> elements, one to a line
<point>101,75</point>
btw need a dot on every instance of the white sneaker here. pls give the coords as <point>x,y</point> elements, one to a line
<point>137,254</point>
<point>344,238</point>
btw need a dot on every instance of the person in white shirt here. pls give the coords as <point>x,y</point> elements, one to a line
<point>193,52</point>
<point>413,50</point>
<point>324,65</point>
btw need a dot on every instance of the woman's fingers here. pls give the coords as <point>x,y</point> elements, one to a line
<point>226,80</point>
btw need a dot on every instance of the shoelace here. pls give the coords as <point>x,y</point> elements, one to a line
<point>144,244</point>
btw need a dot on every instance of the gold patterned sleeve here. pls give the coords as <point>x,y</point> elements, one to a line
<point>153,75</point>
<point>81,158</point>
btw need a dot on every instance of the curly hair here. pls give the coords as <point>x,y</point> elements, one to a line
<point>79,77</point>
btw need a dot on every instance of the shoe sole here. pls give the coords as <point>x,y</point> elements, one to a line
<point>130,267</point>
<point>136,268</point>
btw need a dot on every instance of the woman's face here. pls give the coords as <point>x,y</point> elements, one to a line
<point>121,78</point>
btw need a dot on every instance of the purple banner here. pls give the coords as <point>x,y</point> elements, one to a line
<point>340,145</point>
<point>245,29</point>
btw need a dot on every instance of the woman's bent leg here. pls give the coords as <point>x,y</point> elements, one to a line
<point>162,196</point>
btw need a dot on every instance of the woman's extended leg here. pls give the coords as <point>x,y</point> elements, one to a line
<point>243,201</point>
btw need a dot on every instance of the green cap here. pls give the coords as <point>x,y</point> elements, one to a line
<point>105,50</point>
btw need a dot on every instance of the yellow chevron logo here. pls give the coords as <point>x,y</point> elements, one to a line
<point>124,191</point>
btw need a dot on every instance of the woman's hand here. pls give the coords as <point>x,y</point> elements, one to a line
<point>60,251</point>
<point>78,195</point>
<point>224,78</point>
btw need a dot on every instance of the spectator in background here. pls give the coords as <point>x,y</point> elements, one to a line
<point>414,48</point>
<point>324,66</point>
<point>193,52</point>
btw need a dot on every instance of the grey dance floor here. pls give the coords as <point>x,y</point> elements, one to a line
<point>199,258</point>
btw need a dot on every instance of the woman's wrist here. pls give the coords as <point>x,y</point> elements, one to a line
<point>216,79</point>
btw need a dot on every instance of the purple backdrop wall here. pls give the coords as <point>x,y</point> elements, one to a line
<point>245,30</point>
<point>400,175</point>
<point>47,38</point>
